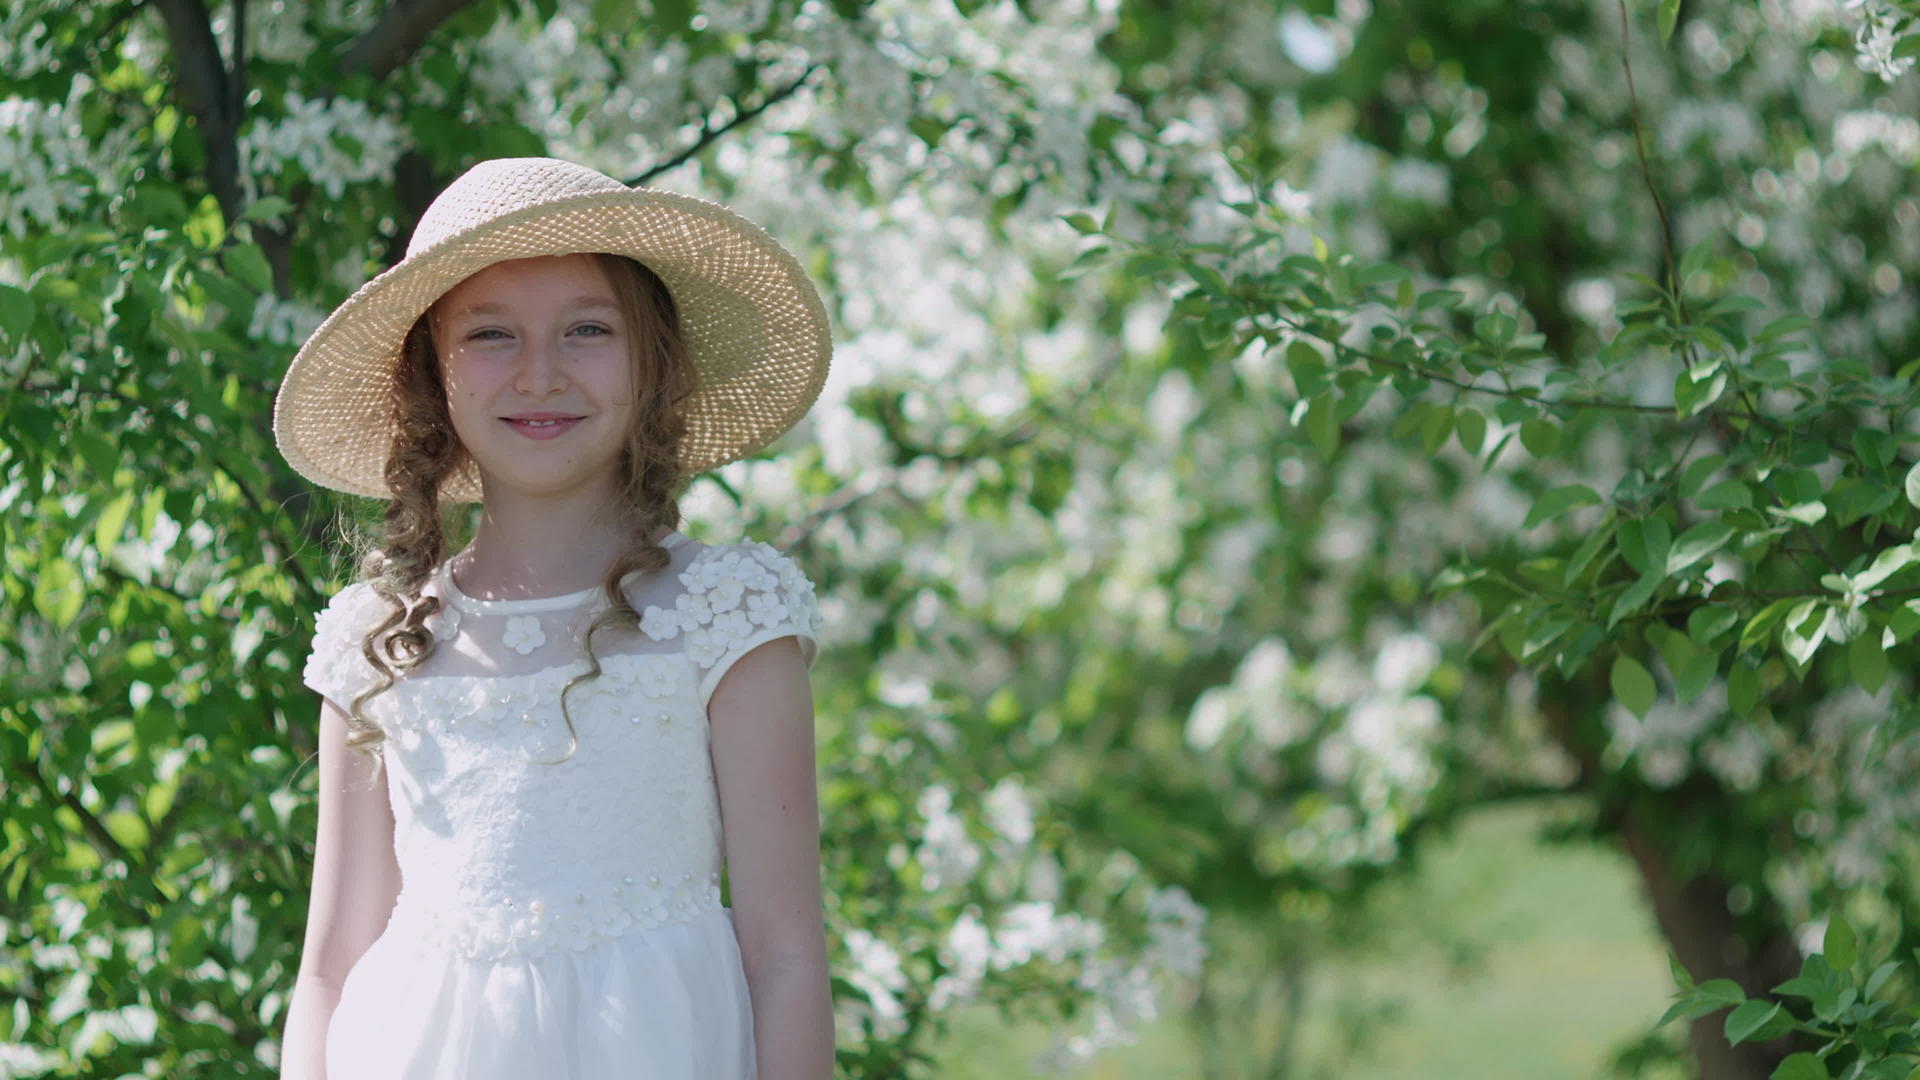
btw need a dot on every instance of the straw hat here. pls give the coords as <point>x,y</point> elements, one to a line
<point>754,323</point>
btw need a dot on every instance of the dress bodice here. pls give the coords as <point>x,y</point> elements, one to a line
<point>508,846</point>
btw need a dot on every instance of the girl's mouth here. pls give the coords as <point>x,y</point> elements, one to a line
<point>542,429</point>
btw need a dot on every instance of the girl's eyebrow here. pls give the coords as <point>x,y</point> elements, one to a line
<point>599,303</point>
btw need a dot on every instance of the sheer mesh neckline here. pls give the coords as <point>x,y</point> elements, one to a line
<point>478,606</point>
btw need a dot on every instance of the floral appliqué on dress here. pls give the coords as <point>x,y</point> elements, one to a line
<point>736,596</point>
<point>523,634</point>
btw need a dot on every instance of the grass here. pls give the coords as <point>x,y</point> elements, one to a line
<point>1564,965</point>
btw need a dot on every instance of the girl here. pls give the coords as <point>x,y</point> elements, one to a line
<point>528,748</point>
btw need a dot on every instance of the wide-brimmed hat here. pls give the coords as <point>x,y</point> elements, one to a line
<point>755,326</point>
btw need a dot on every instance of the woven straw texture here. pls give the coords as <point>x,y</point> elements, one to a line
<point>755,325</point>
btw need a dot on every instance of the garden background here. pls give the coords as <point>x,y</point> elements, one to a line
<point>1357,538</point>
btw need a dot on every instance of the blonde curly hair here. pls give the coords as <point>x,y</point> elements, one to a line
<point>426,450</point>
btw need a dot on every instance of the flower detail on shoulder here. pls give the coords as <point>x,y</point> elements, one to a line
<point>335,666</point>
<point>766,608</point>
<point>689,611</point>
<point>523,633</point>
<point>733,595</point>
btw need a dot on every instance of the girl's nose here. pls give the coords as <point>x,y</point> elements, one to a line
<point>540,370</point>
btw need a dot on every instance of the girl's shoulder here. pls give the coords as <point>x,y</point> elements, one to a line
<point>335,665</point>
<point>355,605</point>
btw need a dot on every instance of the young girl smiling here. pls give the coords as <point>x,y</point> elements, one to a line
<point>528,747</point>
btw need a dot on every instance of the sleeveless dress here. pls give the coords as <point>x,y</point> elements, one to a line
<point>558,920</point>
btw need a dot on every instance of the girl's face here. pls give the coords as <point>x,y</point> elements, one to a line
<point>536,338</point>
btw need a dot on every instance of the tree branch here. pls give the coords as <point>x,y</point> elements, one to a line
<point>1646,173</point>
<point>209,94</point>
<point>709,134</point>
<point>96,832</point>
<point>237,84</point>
<point>401,29</point>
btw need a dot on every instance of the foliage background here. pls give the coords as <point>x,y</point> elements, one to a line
<point>1438,422</point>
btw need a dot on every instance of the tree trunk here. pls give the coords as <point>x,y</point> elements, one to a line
<point>1693,917</point>
<point>1692,914</point>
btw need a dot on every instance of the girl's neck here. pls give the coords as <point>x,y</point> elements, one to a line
<point>499,571</point>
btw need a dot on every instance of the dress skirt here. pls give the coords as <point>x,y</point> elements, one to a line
<point>666,1003</point>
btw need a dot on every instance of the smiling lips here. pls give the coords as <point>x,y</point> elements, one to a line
<point>541,425</point>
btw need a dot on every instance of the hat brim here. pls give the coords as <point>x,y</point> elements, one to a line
<point>754,324</point>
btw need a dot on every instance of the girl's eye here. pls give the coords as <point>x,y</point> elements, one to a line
<point>596,326</point>
<point>489,330</point>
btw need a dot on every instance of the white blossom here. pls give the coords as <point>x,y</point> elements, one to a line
<point>947,855</point>
<point>877,972</point>
<point>336,142</point>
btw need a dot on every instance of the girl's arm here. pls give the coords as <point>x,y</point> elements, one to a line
<point>761,719</point>
<point>355,883</point>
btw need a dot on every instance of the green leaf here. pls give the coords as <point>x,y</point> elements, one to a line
<point>1801,1066</point>
<point>1308,368</point>
<point>1540,436</point>
<point>1436,428</point>
<point>1751,1019</point>
<point>1632,685</point>
<point>205,226</point>
<point>1543,633</point>
<point>1763,621</point>
<point>1082,223</point>
<point>1632,597</point>
<point>264,207</point>
<point>1708,621</point>
<point>1577,564</point>
<point>1697,543</point>
<point>1724,991</point>
<point>1470,427</point>
<point>101,456</point>
<point>1875,448</point>
<point>1323,425</point>
<point>1867,661</point>
<point>1098,254</point>
<point>1644,543</point>
<point>249,264</point>
<point>1669,15</point>
<point>1558,501</point>
<point>1743,687</point>
<point>1697,471</point>
<point>1681,976</point>
<point>1781,327</point>
<point>1834,1000</point>
<point>1839,947</point>
<point>1379,274</point>
<point>1805,629</point>
<point>1726,495</point>
<point>1806,513</point>
<point>1800,986</point>
<point>1879,978</point>
<point>1913,484</point>
<point>16,314</point>
<point>1412,420</point>
<point>1695,673</point>
<point>1691,396</point>
<point>1496,327</point>
<point>1440,298</point>
<point>112,523</point>
<point>1691,1006</point>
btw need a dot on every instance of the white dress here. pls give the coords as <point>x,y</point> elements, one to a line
<point>561,921</point>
